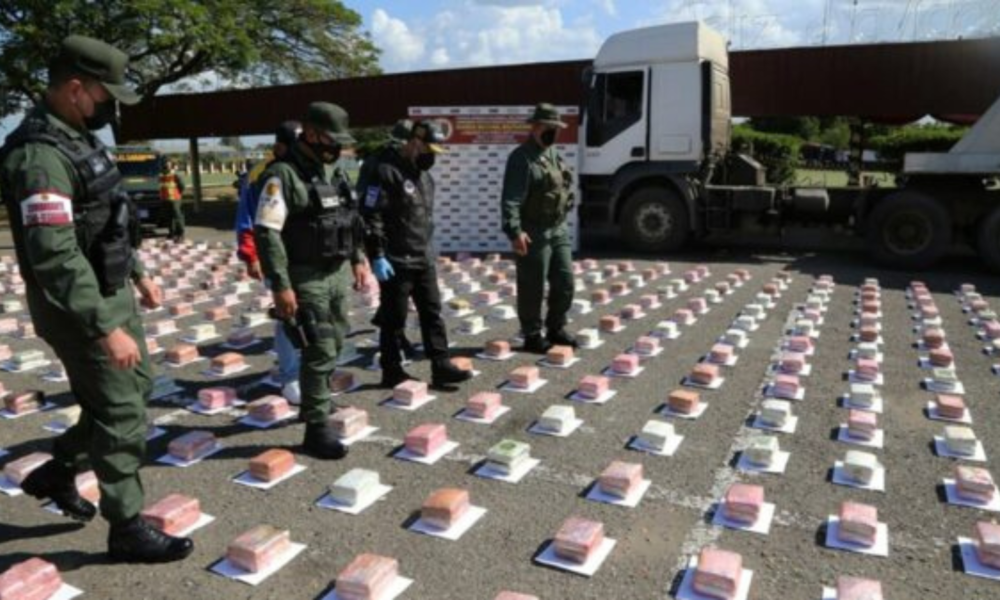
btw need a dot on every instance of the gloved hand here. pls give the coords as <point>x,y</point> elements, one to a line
<point>383,269</point>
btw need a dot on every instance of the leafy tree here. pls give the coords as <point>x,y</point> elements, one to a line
<point>240,42</point>
<point>233,142</point>
<point>806,128</point>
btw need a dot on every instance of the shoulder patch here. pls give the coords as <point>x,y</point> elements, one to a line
<point>272,210</point>
<point>46,208</point>
<point>372,195</point>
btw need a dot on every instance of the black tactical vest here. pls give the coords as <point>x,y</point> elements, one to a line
<point>106,230</point>
<point>329,230</point>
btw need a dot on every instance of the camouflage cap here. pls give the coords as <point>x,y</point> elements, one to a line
<point>331,120</point>
<point>547,114</point>
<point>100,60</point>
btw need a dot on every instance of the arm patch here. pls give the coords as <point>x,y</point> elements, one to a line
<point>46,208</point>
<point>272,211</point>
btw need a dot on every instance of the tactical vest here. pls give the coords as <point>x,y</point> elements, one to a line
<point>548,204</point>
<point>328,231</point>
<point>106,229</point>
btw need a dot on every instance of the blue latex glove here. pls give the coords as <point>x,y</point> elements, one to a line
<point>383,269</point>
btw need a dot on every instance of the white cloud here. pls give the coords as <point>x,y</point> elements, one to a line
<point>400,46</point>
<point>483,32</point>
<point>608,6</point>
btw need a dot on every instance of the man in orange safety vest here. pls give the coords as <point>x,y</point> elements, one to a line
<point>171,192</point>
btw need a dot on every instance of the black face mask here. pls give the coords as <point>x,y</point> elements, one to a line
<point>326,153</point>
<point>105,113</point>
<point>548,137</point>
<point>425,161</point>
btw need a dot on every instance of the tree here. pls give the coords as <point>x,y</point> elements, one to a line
<point>239,42</point>
<point>806,128</point>
<point>233,142</point>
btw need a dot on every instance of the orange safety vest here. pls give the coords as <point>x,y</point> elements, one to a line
<point>168,187</point>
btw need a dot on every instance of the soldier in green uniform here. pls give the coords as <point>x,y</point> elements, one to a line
<point>308,232</point>
<point>536,199</point>
<point>75,241</point>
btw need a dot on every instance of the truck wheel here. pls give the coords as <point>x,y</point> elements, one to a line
<point>988,240</point>
<point>908,230</point>
<point>655,219</point>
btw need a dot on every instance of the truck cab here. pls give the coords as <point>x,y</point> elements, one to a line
<point>657,115</point>
<point>140,167</point>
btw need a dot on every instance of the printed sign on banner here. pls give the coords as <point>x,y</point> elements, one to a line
<point>469,176</point>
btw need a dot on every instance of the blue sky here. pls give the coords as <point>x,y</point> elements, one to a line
<point>441,34</point>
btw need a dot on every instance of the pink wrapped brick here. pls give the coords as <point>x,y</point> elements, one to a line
<point>610,323</point>
<point>619,288</point>
<point>524,377</point>
<point>866,369</point>
<point>25,401</point>
<point>871,307</point>
<point>723,287</point>
<point>216,397</point>
<point>484,405</point>
<point>812,315</point>
<point>743,274</point>
<point>32,579</point>
<point>216,313</point>
<point>496,348</point>
<point>497,278</point>
<point>650,274</point>
<point>771,289</point>
<point>368,577</point>
<point>692,276</point>
<point>341,381</point>
<point>593,386</point>
<point>974,483</point>
<point>870,321</point>
<point>683,401</point>
<point>505,595</point>
<point>785,386</point>
<point>791,363</point>
<point>950,407</point>
<point>620,479</point>
<point>929,311</point>
<point>720,354</point>
<point>508,290</point>
<point>487,297</point>
<point>967,288</point>
<point>718,573</point>
<point>269,408</point>
<point>445,507</point>
<point>626,266</point>
<point>626,364</point>
<point>410,392</point>
<point>8,325</point>
<point>799,343</point>
<point>697,305</point>
<point>600,296</point>
<point>272,465</point>
<point>180,354</point>
<point>152,345</point>
<point>992,329</point>
<point>649,301</point>
<point>941,357</point>
<point>979,305</point>
<point>228,362</point>
<point>88,486</point>
<point>743,502</point>
<point>426,439</point>
<point>163,327</point>
<point>631,311</point>
<point>858,523</point>
<point>856,588</point>
<point>704,373</point>
<point>17,470</point>
<point>868,333</point>
<point>862,424</point>
<point>181,309</point>
<point>348,422</point>
<point>988,544</point>
<point>702,271</point>
<point>174,514</point>
<point>934,338</point>
<point>611,271</point>
<point>559,355</point>
<point>259,548</point>
<point>577,539</point>
<point>647,345</point>
<point>191,445</point>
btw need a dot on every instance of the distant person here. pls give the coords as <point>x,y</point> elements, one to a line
<point>171,200</point>
<point>288,356</point>
<point>535,202</point>
<point>70,221</point>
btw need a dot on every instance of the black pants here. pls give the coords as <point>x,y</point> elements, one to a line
<point>420,283</point>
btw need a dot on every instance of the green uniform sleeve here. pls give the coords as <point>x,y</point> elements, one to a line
<point>278,200</point>
<point>138,269</point>
<point>57,263</point>
<point>515,190</point>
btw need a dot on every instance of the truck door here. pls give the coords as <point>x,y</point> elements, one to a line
<point>615,121</point>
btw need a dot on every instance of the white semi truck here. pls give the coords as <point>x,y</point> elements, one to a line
<point>656,163</point>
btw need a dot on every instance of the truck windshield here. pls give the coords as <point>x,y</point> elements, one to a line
<point>138,164</point>
<point>615,105</point>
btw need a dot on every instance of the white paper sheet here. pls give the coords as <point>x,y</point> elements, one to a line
<point>548,557</point>
<point>877,484</point>
<point>669,450</point>
<point>380,491</point>
<point>932,413</point>
<point>464,415</point>
<point>761,526</point>
<point>595,494</point>
<point>876,442</point>
<point>456,531</point>
<point>953,497</point>
<point>686,591</point>
<point>941,449</point>
<point>404,454</point>
<point>776,467</point>
<point>251,422</point>
<point>879,548</point>
<point>392,592</point>
<point>245,478</point>
<point>487,471</point>
<point>666,411</point>
<point>391,403</point>
<point>196,408</point>
<point>508,387</point>
<point>789,427</point>
<point>971,563</point>
<point>602,399</point>
<point>231,571</point>
<point>169,459</point>
<point>574,425</point>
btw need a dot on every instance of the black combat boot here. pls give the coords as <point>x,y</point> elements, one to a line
<point>394,376</point>
<point>321,442</point>
<point>409,351</point>
<point>55,481</point>
<point>136,541</point>
<point>561,337</point>
<point>536,344</point>
<point>445,374</point>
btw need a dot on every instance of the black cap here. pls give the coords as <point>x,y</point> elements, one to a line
<point>100,60</point>
<point>287,133</point>
<point>429,134</point>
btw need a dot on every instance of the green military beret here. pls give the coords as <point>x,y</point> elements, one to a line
<point>100,60</point>
<point>331,120</point>
<point>546,114</point>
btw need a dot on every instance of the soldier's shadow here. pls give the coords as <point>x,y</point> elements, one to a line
<point>65,560</point>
